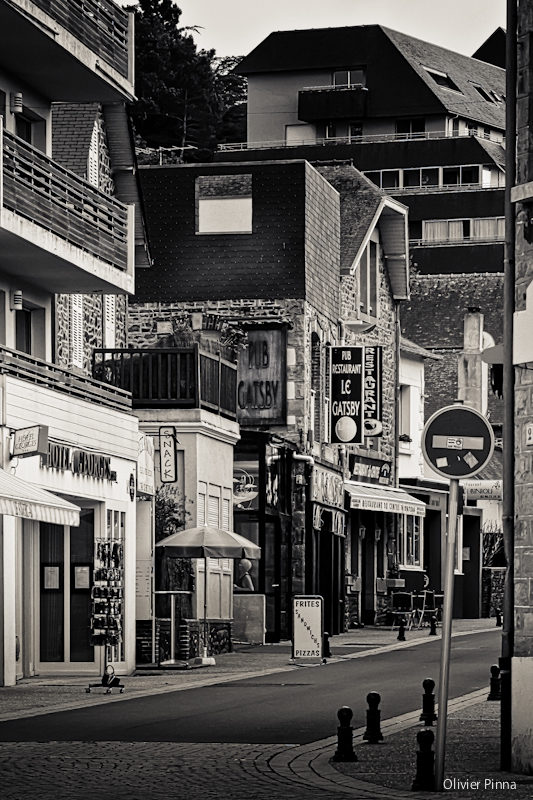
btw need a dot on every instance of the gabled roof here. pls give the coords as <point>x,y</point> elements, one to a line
<point>414,350</point>
<point>363,206</point>
<point>323,48</point>
<point>493,49</point>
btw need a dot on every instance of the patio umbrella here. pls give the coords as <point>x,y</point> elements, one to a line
<point>208,542</point>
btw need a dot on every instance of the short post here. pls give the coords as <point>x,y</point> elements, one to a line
<point>428,715</point>
<point>495,683</point>
<point>326,649</point>
<point>401,630</point>
<point>433,625</point>
<point>373,733</point>
<point>344,751</point>
<point>498,618</point>
<point>425,757</point>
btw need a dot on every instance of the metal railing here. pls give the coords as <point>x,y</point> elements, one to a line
<point>363,139</point>
<point>60,379</point>
<point>463,240</point>
<point>179,377</point>
<point>101,25</point>
<point>44,192</point>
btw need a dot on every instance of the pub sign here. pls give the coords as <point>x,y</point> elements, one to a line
<point>347,406</point>
<point>261,378</point>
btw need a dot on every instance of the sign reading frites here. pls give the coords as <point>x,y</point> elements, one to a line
<point>30,441</point>
<point>167,455</point>
<point>307,626</point>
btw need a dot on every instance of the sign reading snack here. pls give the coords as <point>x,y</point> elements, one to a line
<point>347,406</point>
<point>373,425</point>
<point>168,463</point>
<point>261,387</point>
<point>30,441</point>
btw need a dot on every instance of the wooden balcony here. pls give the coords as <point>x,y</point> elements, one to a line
<point>84,48</point>
<point>51,376</point>
<point>184,377</point>
<point>56,229</point>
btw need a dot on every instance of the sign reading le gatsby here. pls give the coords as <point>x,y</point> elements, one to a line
<point>347,407</point>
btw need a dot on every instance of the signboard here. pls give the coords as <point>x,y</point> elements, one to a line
<point>457,442</point>
<point>168,465</point>
<point>373,426</point>
<point>145,465</point>
<point>30,441</point>
<point>346,382</point>
<point>327,487</point>
<point>483,490</point>
<point>261,378</point>
<point>370,469</point>
<point>307,626</point>
<point>79,462</point>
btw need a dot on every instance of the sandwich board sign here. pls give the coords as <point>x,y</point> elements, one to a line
<point>307,626</point>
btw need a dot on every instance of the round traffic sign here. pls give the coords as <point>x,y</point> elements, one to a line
<point>457,442</point>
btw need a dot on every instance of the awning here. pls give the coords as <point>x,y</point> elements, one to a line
<point>383,498</point>
<point>18,498</point>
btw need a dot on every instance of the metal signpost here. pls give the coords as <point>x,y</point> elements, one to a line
<point>307,626</point>
<point>457,442</point>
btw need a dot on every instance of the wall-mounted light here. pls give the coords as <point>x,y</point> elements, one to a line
<point>377,534</point>
<point>16,103</point>
<point>362,532</point>
<point>15,300</point>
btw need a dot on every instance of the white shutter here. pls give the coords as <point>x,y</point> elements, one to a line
<point>76,331</point>
<point>202,495</point>
<point>93,158</point>
<point>109,320</point>
<point>226,520</point>
<point>213,511</point>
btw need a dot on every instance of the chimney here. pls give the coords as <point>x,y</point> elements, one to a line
<point>472,377</point>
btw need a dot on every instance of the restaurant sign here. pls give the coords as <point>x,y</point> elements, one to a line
<point>168,462</point>
<point>346,382</point>
<point>373,426</point>
<point>327,487</point>
<point>261,378</point>
<point>370,469</point>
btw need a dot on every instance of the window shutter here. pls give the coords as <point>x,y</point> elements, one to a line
<point>93,158</point>
<point>202,493</point>
<point>109,321</point>
<point>76,331</point>
<point>213,512</point>
<point>226,523</point>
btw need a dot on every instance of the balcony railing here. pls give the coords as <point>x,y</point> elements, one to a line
<point>364,139</point>
<point>179,377</point>
<point>51,376</point>
<point>495,239</point>
<point>101,25</point>
<point>47,194</point>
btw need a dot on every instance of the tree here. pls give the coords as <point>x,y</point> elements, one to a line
<point>231,91</point>
<point>177,104</point>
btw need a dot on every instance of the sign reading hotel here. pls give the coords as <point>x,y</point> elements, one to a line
<point>30,441</point>
<point>307,626</point>
<point>261,383</point>
<point>347,405</point>
<point>79,462</point>
<point>168,463</point>
<point>373,426</point>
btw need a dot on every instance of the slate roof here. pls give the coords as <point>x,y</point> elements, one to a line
<point>359,202</point>
<point>320,48</point>
<point>412,349</point>
<point>72,127</point>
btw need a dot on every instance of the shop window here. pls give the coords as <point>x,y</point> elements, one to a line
<point>350,77</point>
<point>410,545</point>
<point>224,204</point>
<point>76,331</point>
<point>368,281</point>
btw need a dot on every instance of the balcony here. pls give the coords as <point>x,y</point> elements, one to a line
<point>57,230</point>
<point>184,377</point>
<point>332,103</point>
<point>41,373</point>
<point>84,48</point>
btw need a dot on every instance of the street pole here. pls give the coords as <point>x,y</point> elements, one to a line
<point>446,634</point>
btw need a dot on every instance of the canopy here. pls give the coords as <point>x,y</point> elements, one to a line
<point>18,498</point>
<point>369,497</point>
<point>208,542</point>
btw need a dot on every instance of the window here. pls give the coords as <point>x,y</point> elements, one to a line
<point>213,507</point>
<point>405,414</point>
<point>109,320</point>
<point>411,127</point>
<point>484,94</point>
<point>442,79</point>
<point>32,128</point>
<point>350,77</point>
<point>368,272</point>
<point>76,331</point>
<point>93,158</point>
<point>330,131</point>
<point>201,512</point>
<point>224,204</point>
<point>355,130</point>
<point>390,179</point>
<point>30,331</point>
<point>410,541</point>
<point>456,230</point>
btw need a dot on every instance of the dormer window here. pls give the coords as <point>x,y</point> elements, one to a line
<point>350,77</point>
<point>483,92</point>
<point>442,79</point>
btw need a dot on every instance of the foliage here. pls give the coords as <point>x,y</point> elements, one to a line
<point>187,98</point>
<point>493,546</point>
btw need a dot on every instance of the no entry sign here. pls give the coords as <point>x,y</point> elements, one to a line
<point>457,442</point>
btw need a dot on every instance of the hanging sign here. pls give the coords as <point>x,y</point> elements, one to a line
<point>168,464</point>
<point>347,404</point>
<point>373,426</point>
<point>30,441</point>
<point>261,387</point>
<point>307,626</point>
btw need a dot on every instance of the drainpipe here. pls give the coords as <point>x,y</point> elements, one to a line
<point>508,389</point>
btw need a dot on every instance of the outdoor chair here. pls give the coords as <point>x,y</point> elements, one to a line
<point>424,606</point>
<point>402,606</point>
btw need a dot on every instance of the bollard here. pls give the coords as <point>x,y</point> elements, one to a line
<point>373,733</point>
<point>428,715</point>
<point>425,762</point>
<point>498,618</point>
<point>326,650</point>
<point>433,625</point>
<point>495,684</point>
<point>344,751</point>
<point>401,630</point>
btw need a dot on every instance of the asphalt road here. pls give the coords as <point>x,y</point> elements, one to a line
<point>287,708</point>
